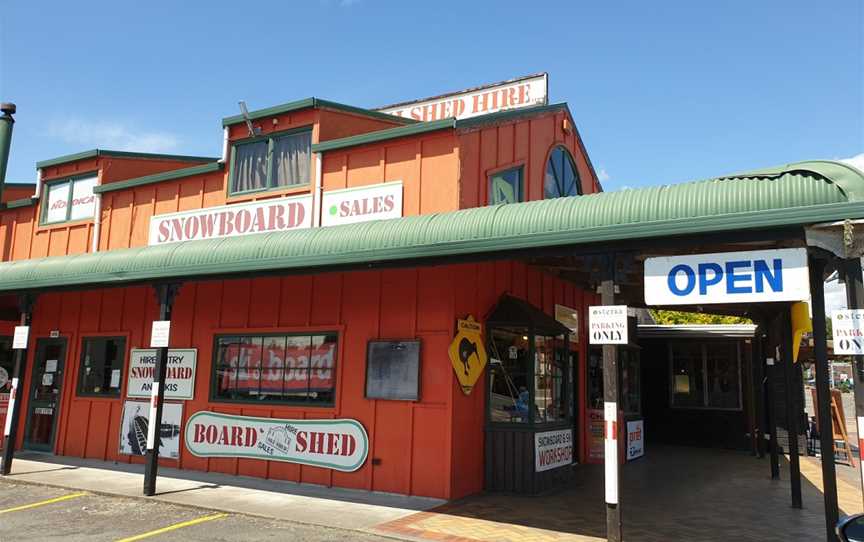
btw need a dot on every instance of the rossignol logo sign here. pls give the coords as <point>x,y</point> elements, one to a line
<point>333,444</point>
<point>361,204</point>
<point>232,220</point>
<point>729,277</point>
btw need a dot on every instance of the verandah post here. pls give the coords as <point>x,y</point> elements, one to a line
<point>855,300</point>
<point>610,409</point>
<point>792,414</point>
<point>165,294</point>
<point>13,413</point>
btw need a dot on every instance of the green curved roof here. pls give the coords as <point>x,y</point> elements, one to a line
<point>797,194</point>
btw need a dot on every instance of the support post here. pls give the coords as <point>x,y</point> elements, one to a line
<point>823,396</point>
<point>165,294</point>
<point>610,415</point>
<point>13,412</point>
<point>855,300</point>
<point>770,407</point>
<point>759,387</point>
<point>792,412</point>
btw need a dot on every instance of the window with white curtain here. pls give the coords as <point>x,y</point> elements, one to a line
<point>271,163</point>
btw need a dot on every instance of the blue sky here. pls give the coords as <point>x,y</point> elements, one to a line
<point>662,91</point>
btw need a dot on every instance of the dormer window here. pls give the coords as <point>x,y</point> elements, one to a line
<point>69,199</point>
<point>562,177</point>
<point>272,162</point>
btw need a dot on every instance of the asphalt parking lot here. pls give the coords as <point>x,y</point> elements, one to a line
<point>31,512</point>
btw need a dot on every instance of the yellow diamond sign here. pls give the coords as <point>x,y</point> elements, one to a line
<point>467,353</point>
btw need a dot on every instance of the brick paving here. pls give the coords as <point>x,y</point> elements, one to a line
<point>671,494</point>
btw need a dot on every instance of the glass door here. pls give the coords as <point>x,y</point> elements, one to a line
<point>42,411</point>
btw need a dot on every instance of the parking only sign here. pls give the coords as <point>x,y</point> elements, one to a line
<point>848,331</point>
<point>607,324</point>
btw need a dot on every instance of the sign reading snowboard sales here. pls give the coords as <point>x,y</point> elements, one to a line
<point>332,444</point>
<point>553,449</point>
<point>179,380</point>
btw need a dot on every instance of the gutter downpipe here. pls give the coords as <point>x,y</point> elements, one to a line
<point>317,193</point>
<point>97,217</point>
<point>224,145</point>
<point>6,124</point>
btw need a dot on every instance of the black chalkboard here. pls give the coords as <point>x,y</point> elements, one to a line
<point>393,370</point>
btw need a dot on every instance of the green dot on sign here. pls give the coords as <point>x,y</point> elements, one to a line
<point>333,210</point>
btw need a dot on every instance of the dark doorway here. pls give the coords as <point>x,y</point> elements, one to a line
<point>45,388</point>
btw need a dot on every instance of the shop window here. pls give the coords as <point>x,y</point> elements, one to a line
<point>281,368</point>
<point>705,375</point>
<point>562,177</point>
<point>6,367</point>
<point>506,186</point>
<point>101,369</point>
<point>69,199</point>
<point>629,379</point>
<point>530,379</point>
<point>272,163</point>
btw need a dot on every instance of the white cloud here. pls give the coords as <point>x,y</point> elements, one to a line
<point>602,175</point>
<point>111,135</point>
<point>856,161</point>
<point>835,296</point>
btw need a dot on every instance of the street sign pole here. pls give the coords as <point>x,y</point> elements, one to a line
<point>10,430</point>
<point>855,300</point>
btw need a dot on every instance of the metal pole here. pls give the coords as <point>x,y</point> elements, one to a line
<point>759,386</point>
<point>770,407</point>
<point>855,300</point>
<point>6,124</point>
<point>13,413</point>
<point>823,395</point>
<point>610,414</point>
<point>165,296</point>
<point>791,404</point>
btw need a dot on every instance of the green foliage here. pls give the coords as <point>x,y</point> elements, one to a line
<point>665,317</point>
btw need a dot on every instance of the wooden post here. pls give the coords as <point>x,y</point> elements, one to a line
<point>770,407</point>
<point>610,415</point>
<point>759,387</point>
<point>165,294</point>
<point>13,413</point>
<point>792,413</point>
<point>855,300</point>
<point>823,396</point>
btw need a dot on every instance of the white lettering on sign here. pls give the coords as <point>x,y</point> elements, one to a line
<point>553,449</point>
<point>728,277</point>
<point>179,378</point>
<point>607,324</point>
<point>20,338</point>
<point>610,455</point>
<point>332,444</point>
<point>160,333</point>
<point>361,204</point>
<point>635,439</point>
<point>847,327</point>
<point>513,94</point>
<point>273,215</point>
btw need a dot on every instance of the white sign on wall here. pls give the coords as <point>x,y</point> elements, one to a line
<point>20,338</point>
<point>179,380</point>
<point>513,94</point>
<point>847,327</point>
<point>279,214</point>
<point>339,444</point>
<point>160,333</point>
<point>728,277</point>
<point>361,204</point>
<point>553,449</point>
<point>607,324</point>
<point>136,424</point>
<point>635,439</point>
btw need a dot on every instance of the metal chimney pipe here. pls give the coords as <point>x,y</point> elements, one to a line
<point>6,122</point>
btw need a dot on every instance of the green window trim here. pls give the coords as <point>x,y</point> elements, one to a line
<point>46,191</point>
<point>269,182</point>
<point>501,189</point>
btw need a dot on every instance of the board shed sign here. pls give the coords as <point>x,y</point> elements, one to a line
<point>607,324</point>
<point>728,277</point>
<point>553,449</point>
<point>528,91</point>
<point>847,328</point>
<point>332,444</point>
<point>179,380</point>
<point>280,214</point>
<point>362,204</point>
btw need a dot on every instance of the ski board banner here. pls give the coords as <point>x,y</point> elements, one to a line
<point>340,444</point>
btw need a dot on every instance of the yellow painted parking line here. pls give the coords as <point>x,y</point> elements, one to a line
<point>174,527</point>
<point>43,503</point>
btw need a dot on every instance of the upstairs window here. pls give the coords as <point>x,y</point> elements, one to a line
<point>506,186</point>
<point>69,199</point>
<point>562,177</point>
<point>272,163</point>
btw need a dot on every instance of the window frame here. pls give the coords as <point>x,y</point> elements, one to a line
<point>577,177</point>
<point>269,168</point>
<point>121,390</point>
<point>71,179</point>
<point>705,396</point>
<point>520,167</point>
<point>214,365</point>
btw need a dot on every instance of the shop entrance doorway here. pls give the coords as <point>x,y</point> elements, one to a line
<point>45,388</point>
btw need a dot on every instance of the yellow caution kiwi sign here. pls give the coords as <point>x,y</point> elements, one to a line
<point>467,353</point>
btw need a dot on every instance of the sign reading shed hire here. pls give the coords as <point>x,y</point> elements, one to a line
<point>728,277</point>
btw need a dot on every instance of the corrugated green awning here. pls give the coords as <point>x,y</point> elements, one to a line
<point>798,194</point>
